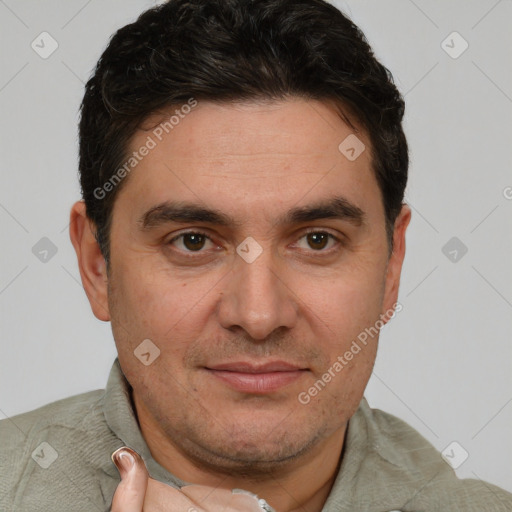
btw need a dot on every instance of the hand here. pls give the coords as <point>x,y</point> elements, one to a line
<point>137,492</point>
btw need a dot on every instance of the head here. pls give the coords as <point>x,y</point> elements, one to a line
<point>243,168</point>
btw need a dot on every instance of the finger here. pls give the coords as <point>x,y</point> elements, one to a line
<point>130,493</point>
<point>161,497</point>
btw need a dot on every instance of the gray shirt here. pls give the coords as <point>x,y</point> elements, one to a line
<point>57,458</point>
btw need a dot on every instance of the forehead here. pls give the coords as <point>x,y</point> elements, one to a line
<point>249,155</point>
<point>252,127</point>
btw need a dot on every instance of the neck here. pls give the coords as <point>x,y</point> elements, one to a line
<point>303,484</point>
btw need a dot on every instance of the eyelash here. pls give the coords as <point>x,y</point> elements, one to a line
<point>310,231</point>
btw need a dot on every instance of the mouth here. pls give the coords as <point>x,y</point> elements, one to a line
<point>253,378</point>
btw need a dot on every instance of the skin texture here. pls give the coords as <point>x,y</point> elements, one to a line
<point>302,301</point>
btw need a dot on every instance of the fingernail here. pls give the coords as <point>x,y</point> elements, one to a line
<point>124,459</point>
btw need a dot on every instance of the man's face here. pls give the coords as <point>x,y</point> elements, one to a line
<point>218,315</point>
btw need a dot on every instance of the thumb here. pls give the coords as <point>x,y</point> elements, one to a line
<point>129,495</point>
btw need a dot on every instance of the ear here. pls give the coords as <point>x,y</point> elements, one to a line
<point>394,268</point>
<point>93,269</point>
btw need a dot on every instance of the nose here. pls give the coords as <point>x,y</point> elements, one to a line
<point>258,297</point>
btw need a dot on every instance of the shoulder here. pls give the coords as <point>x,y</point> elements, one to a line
<point>21,429</point>
<point>433,483</point>
<point>63,411</point>
<point>38,444</point>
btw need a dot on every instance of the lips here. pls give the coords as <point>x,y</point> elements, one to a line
<point>253,378</point>
<point>246,367</point>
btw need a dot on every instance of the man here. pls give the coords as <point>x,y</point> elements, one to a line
<point>242,227</point>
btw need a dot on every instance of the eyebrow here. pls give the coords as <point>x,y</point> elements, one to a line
<point>336,207</point>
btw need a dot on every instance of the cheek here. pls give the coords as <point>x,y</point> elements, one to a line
<point>158,303</point>
<point>347,301</point>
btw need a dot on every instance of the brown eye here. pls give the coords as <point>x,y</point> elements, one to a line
<point>190,242</point>
<point>318,240</point>
<point>193,241</point>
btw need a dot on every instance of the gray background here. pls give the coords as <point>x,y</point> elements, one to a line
<point>445,361</point>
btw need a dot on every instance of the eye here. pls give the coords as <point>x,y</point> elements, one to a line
<point>192,241</point>
<point>318,240</point>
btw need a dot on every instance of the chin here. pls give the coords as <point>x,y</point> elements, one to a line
<point>246,453</point>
